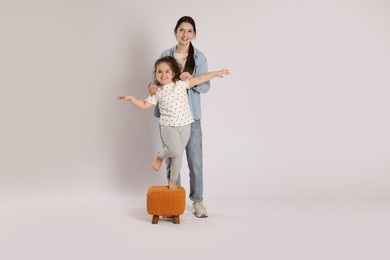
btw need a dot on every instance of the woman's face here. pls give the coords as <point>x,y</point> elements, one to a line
<point>164,73</point>
<point>185,33</point>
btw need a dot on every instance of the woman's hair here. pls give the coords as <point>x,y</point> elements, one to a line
<point>172,63</point>
<point>190,63</point>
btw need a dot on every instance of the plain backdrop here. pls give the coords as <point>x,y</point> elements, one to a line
<point>304,113</point>
<point>296,140</point>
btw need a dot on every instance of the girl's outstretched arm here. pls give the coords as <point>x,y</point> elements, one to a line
<point>206,77</point>
<point>141,104</point>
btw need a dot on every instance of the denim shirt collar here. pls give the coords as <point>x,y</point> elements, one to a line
<point>173,49</point>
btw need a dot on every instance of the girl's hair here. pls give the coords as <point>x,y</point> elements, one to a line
<point>172,63</point>
<point>190,63</point>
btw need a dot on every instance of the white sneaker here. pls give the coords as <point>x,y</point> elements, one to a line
<point>199,210</point>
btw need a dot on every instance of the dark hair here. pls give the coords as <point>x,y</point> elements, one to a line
<point>172,63</point>
<point>190,62</point>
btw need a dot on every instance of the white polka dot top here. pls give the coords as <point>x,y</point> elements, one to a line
<point>173,102</point>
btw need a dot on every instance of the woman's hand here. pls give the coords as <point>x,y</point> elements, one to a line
<point>153,89</point>
<point>185,76</point>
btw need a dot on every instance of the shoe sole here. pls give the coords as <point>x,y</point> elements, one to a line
<point>201,216</point>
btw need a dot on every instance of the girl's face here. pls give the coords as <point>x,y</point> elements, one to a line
<point>185,33</point>
<point>164,73</point>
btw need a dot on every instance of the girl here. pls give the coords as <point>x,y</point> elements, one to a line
<point>175,113</point>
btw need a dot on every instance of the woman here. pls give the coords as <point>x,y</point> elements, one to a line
<point>194,63</point>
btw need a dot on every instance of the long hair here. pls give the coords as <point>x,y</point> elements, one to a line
<point>172,63</point>
<point>190,62</point>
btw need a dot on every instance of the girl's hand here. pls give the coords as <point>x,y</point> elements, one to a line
<point>124,98</point>
<point>185,76</point>
<point>222,73</point>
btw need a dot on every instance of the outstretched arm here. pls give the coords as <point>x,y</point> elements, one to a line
<point>206,77</point>
<point>141,104</point>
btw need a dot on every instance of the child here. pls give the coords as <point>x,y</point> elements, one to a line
<point>176,117</point>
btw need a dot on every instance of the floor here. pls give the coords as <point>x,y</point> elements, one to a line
<point>117,227</point>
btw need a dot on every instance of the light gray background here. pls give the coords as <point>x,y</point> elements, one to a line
<point>305,111</point>
<point>296,139</point>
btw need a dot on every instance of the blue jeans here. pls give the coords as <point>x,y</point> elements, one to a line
<point>194,160</point>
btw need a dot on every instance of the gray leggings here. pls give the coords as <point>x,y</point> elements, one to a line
<point>175,139</point>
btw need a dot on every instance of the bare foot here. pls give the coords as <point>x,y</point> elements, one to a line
<point>156,165</point>
<point>172,185</point>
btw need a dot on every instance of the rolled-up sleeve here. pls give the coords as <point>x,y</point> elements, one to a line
<point>201,68</point>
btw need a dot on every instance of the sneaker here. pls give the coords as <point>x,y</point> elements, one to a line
<point>199,210</point>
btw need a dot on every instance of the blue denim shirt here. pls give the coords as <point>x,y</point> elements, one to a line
<point>201,67</point>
